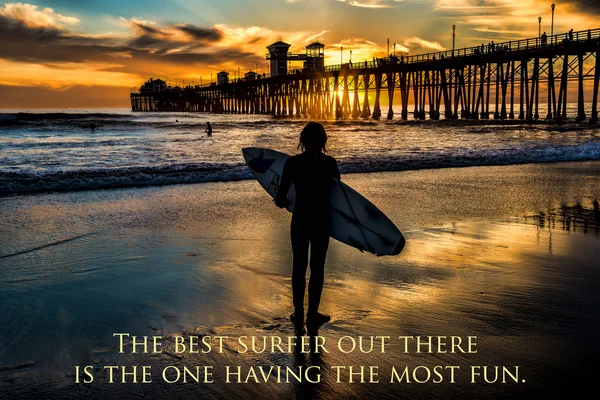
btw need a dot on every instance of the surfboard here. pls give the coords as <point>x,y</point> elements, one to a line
<point>355,221</point>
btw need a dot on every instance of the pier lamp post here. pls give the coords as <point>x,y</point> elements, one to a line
<point>210,78</point>
<point>394,49</point>
<point>388,52</point>
<point>539,26</point>
<point>350,56</point>
<point>552,25</point>
<point>453,38</point>
<point>341,55</point>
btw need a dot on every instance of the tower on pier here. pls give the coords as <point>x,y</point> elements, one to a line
<point>250,76</point>
<point>223,78</point>
<point>278,54</point>
<point>315,56</point>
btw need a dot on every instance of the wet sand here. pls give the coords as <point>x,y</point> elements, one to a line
<point>507,254</point>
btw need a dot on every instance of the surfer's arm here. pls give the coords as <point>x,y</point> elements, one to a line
<point>336,170</point>
<point>284,186</point>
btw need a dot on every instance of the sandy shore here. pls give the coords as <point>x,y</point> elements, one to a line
<point>506,254</point>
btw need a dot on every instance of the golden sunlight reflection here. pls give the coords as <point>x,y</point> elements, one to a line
<point>442,268</point>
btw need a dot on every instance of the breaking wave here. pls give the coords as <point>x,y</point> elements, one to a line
<point>109,178</point>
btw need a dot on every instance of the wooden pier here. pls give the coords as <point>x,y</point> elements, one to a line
<point>514,78</point>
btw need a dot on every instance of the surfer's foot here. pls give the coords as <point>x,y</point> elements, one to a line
<point>298,321</point>
<point>315,321</point>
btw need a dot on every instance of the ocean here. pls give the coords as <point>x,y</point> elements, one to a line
<point>88,149</point>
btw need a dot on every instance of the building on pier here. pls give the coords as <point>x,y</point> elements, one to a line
<point>315,57</point>
<point>250,76</point>
<point>153,86</point>
<point>278,55</point>
<point>222,78</point>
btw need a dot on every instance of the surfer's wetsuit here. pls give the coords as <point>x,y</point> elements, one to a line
<point>312,176</point>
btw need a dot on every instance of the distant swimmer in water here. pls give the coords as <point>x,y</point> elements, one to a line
<point>208,129</point>
<point>312,172</point>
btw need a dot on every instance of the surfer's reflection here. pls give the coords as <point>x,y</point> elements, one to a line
<point>312,174</point>
<point>312,363</point>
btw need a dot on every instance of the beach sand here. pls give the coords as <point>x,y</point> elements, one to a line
<point>508,254</point>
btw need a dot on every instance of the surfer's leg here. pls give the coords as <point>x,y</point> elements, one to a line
<point>300,240</point>
<point>318,251</point>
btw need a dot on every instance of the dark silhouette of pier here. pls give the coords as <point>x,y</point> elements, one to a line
<point>460,83</point>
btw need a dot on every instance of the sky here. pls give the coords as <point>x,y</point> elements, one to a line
<point>93,53</point>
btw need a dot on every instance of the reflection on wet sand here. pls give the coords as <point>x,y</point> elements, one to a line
<point>571,218</point>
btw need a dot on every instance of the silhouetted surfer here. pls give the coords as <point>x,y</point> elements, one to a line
<point>208,129</point>
<point>312,173</point>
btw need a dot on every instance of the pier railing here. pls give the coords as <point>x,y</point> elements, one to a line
<point>555,41</point>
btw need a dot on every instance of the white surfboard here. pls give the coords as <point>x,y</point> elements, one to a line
<point>354,219</point>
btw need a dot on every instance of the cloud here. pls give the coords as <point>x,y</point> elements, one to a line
<point>255,39</point>
<point>486,29</point>
<point>515,19</point>
<point>423,44</point>
<point>64,74</point>
<point>175,38</point>
<point>127,22</point>
<point>169,51</point>
<point>197,33</point>
<point>76,96</point>
<point>315,37</point>
<point>401,48</point>
<point>34,16</point>
<point>370,3</point>
<point>587,4</point>
<point>362,49</point>
<point>50,52</point>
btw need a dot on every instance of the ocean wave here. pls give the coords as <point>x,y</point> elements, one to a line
<point>109,178</point>
<point>50,116</point>
<point>67,144</point>
<point>56,122</point>
<point>492,157</point>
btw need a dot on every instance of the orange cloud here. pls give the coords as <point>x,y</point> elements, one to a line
<point>370,3</point>
<point>423,44</point>
<point>59,75</point>
<point>362,49</point>
<point>516,18</point>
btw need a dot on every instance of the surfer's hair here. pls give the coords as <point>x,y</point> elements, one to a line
<point>313,135</point>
